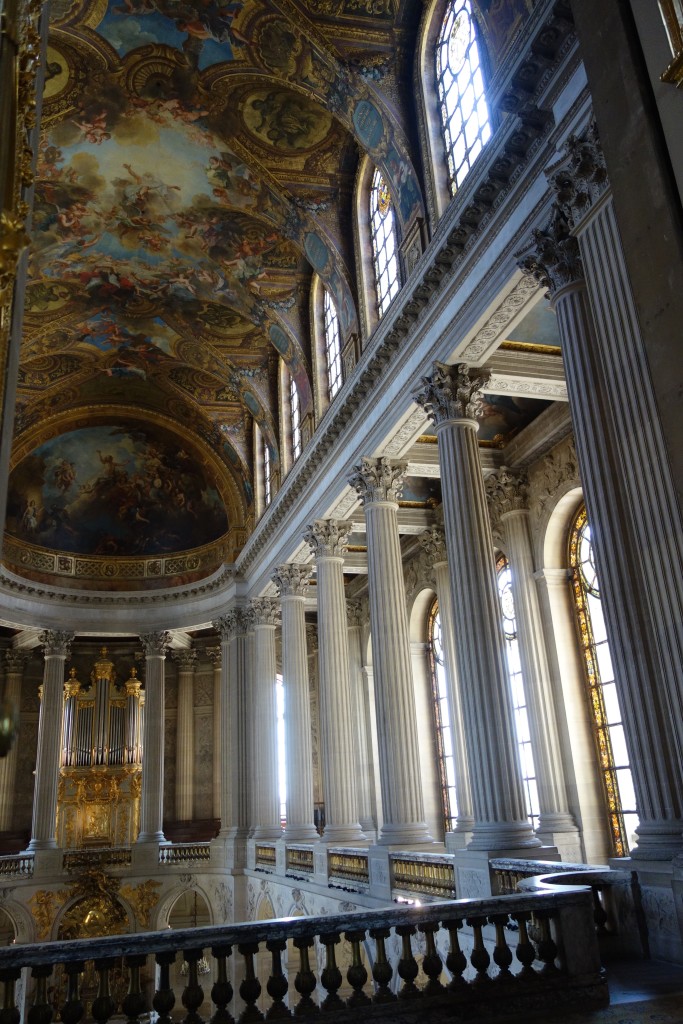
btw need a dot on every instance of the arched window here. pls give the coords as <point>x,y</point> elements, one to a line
<point>383,233</point>
<point>462,98</point>
<point>295,418</point>
<point>444,737</point>
<point>526,755</point>
<point>332,346</point>
<point>267,475</point>
<point>602,691</point>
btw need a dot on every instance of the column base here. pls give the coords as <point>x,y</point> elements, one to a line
<point>271,832</point>
<point>659,840</point>
<point>41,844</point>
<point>151,837</point>
<point>503,836</point>
<point>343,835</point>
<point>405,834</point>
<point>300,834</point>
<point>457,840</point>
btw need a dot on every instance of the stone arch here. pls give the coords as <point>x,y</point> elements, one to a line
<point>171,899</point>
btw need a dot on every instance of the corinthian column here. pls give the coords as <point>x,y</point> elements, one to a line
<point>433,542</point>
<point>15,662</point>
<point>214,654</point>
<point>235,744</point>
<point>327,540</point>
<point>379,483</point>
<point>364,772</point>
<point>631,502</point>
<point>264,761</point>
<point>56,646</point>
<point>292,582</point>
<point>452,397</point>
<point>155,646</point>
<point>507,492</point>
<point>184,788</point>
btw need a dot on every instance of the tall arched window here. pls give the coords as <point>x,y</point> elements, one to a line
<point>295,418</point>
<point>444,737</point>
<point>526,755</point>
<point>383,233</point>
<point>267,475</point>
<point>462,98</point>
<point>332,346</point>
<point>602,691</point>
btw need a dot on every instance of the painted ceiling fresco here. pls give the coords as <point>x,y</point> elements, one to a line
<point>196,168</point>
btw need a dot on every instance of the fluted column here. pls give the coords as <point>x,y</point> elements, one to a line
<point>56,646</point>
<point>263,763</point>
<point>452,398</point>
<point>214,654</point>
<point>155,646</point>
<point>626,474</point>
<point>327,539</point>
<point>363,769</point>
<point>507,492</point>
<point>235,721</point>
<point>292,583</point>
<point>15,662</point>
<point>433,542</point>
<point>184,755</point>
<point>379,483</point>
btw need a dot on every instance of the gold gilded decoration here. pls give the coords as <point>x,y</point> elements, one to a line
<point>142,898</point>
<point>13,240</point>
<point>44,905</point>
<point>96,910</point>
<point>103,668</point>
<point>98,805</point>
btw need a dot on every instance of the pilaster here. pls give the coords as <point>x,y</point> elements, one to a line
<point>15,662</point>
<point>184,783</point>
<point>264,760</point>
<point>155,646</point>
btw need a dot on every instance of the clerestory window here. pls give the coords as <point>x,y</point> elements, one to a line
<point>442,724</point>
<point>384,248</point>
<point>295,418</point>
<point>332,346</point>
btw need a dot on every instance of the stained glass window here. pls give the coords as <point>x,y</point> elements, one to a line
<point>602,691</point>
<point>444,737</point>
<point>295,418</point>
<point>521,716</point>
<point>383,231</point>
<point>267,490</point>
<point>332,346</point>
<point>462,97</point>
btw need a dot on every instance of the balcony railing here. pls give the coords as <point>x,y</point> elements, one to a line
<point>439,961</point>
<point>19,866</point>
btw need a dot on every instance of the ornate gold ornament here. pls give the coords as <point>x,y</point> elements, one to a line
<point>142,898</point>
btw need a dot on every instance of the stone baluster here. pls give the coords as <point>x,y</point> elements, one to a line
<point>365,789</point>
<point>433,542</point>
<point>292,582</point>
<point>56,647</point>
<point>379,483</point>
<point>184,780</point>
<point>507,492</point>
<point>155,646</point>
<point>327,539</point>
<point>214,654</point>
<point>452,397</point>
<point>263,762</point>
<point>625,469</point>
<point>15,662</point>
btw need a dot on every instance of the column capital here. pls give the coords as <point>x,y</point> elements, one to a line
<point>354,613</point>
<point>433,542</point>
<point>552,257</point>
<point>15,661</point>
<point>292,579</point>
<point>452,392</point>
<point>579,179</point>
<point>56,642</point>
<point>155,644</point>
<point>185,659</point>
<point>328,538</point>
<point>266,611</point>
<point>378,479</point>
<point>214,654</point>
<point>507,490</point>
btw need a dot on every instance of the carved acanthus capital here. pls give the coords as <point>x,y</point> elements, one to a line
<point>56,642</point>
<point>378,479</point>
<point>328,537</point>
<point>433,543</point>
<point>452,392</point>
<point>185,659</point>
<point>214,654</point>
<point>155,645</point>
<point>15,661</point>
<point>355,613</point>
<point>553,257</point>
<point>292,579</point>
<point>580,178</point>
<point>266,611</point>
<point>507,490</point>
<point>235,623</point>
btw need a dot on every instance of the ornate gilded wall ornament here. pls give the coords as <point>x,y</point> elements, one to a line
<point>143,898</point>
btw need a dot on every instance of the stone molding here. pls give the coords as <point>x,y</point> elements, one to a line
<point>156,644</point>
<point>378,479</point>
<point>265,611</point>
<point>452,392</point>
<point>418,575</point>
<point>498,322</point>
<point>328,538</point>
<point>553,258</point>
<point>15,661</point>
<point>56,642</point>
<point>292,579</point>
<point>579,179</point>
<point>556,473</point>
<point>433,543</point>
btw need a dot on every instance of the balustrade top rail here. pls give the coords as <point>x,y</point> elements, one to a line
<point>21,864</point>
<point>177,853</point>
<point>223,936</point>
